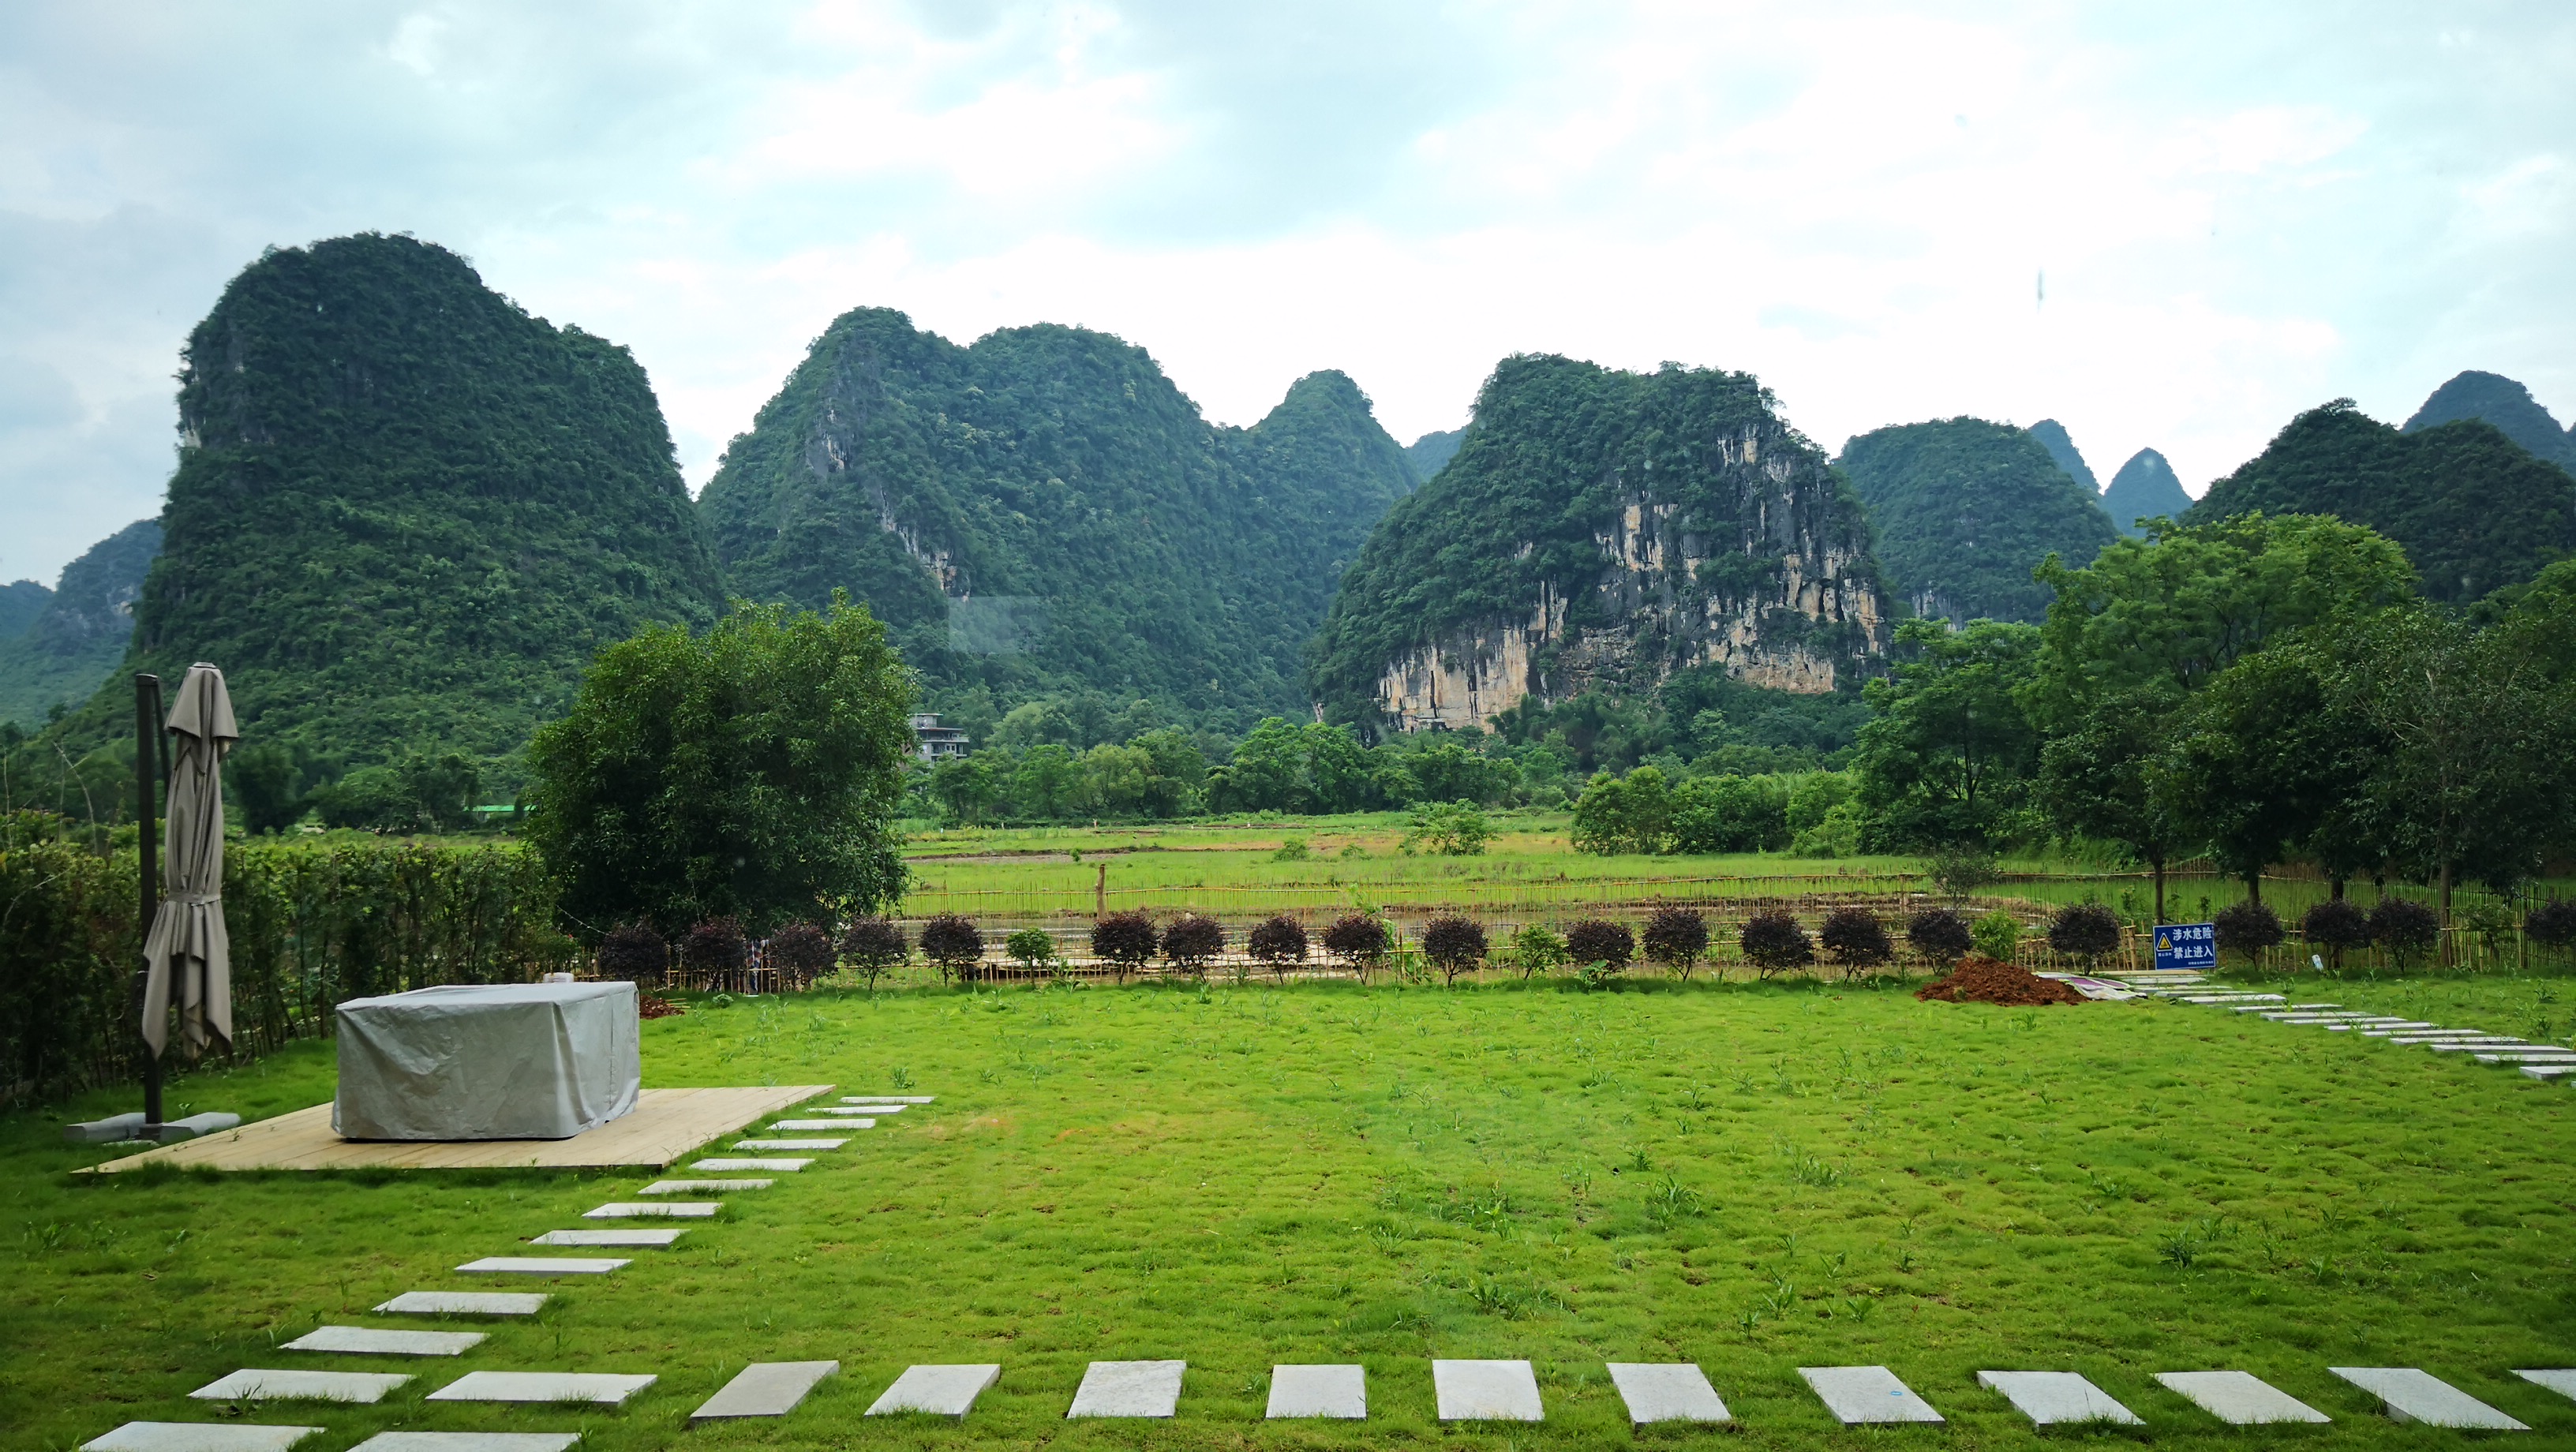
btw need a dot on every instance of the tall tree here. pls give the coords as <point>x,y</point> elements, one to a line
<point>2107,778</point>
<point>2258,760</point>
<point>1949,757</point>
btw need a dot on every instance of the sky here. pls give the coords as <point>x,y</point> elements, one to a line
<point>2169,225</point>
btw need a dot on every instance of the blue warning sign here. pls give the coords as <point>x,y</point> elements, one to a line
<point>2186,945</point>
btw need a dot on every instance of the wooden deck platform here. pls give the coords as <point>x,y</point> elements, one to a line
<point>665,1124</point>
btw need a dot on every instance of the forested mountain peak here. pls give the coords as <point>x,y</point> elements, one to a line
<point>1432,452</point>
<point>79,632</point>
<point>2506,404</point>
<point>1963,510</point>
<point>2145,488</point>
<point>2053,437</point>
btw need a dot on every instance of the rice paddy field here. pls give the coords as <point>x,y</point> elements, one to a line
<point>1753,1177</point>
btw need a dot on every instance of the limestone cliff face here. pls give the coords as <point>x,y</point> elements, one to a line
<point>1603,529</point>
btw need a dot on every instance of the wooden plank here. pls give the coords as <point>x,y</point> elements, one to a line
<point>664,1125</point>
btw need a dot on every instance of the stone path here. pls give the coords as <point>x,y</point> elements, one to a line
<point>198,1437</point>
<point>702,1187</point>
<point>638,1236</point>
<point>2051,1397</point>
<point>604,1388</point>
<point>468,1442</point>
<point>465,1303</point>
<point>1666,1392</point>
<point>1128,1389</point>
<point>529,1265</point>
<point>261,1384</point>
<point>1862,1394</point>
<point>889,1098</point>
<point>765,1166</point>
<point>765,1389</point>
<point>2239,1398</point>
<point>640,1209</point>
<point>940,1391</point>
<point>791,1144</point>
<point>796,1124</point>
<point>371,1341</point>
<point>1334,1391</point>
<point>2562,1382</point>
<point>2412,1395</point>
<point>1486,1391</point>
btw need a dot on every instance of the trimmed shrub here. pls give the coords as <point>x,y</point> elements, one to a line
<point>1360,941</point>
<point>2336,926</point>
<point>1454,944</point>
<point>1939,935</point>
<point>1997,935</point>
<point>1277,942</point>
<point>1125,941</point>
<point>1676,937</point>
<point>872,945</point>
<point>2405,929</point>
<point>1538,949</point>
<point>1774,943</point>
<point>715,949</point>
<point>1192,943</point>
<point>798,952</point>
<point>2087,931</point>
<point>635,953</point>
<point>1596,940</point>
<point>2552,924</point>
<point>1856,939</point>
<point>2247,929</point>
<point>1031,948</point>
<point>954,944</point>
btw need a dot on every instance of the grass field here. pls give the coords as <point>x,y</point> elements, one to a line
<point>1753,1178</point>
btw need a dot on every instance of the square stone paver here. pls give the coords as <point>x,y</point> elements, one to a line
<point>1666,1392</point>
<point>465,1303</point>
<point>796,1124</point>
<point>1858,1394</point>
<point>1128,1389</point>
<point>197,1437</point>
<point>2525,1056</point>
<point>2240,1398</point>
<point>889,1098</point>
<point>763,1166</point>
<point>645,1209</point>
<point>2547,1071</point>
<point>376,1341</point>
<point>941,1391</point>
<point>2562,1382</point>
<point>702,1187</point>
<point>765,1389</point>
<point>1319,1391</point>
<point>2050,1397</point>
<point>2462,1046</point>
<point>261,1385</point>
<point>605,1388</point>
<point>787,1144</point>
<point>853,1109</point>
<point>539,1265</point>
<point>2414,1395</point>
<point>2374,1030</point>
<point>1486,1391</point>
<point>636,1236</point>
<point>468,1442</point>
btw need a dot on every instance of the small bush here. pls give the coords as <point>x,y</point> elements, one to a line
<point>1292,850</point>
<point>1774,943</point>
<point>872,945</point>
<point>799,952</point>
<point>2552,924</point>
<point>1538,949</point>
<point>1360,941</point>
<point>635,953</point>
<point>1676,937</point>
<point>1192,943</point>
<point>1596,940</point>
<point>2247,929</point>
<point>1125,941</point>
<point>715,948</point>
<point>1939,935</point>
<point>1454,944</point>
<point>1959,871</point>
<point>2407,930</point>
<point>1277,942</point>
<point>2335,925</point>
<point>2087,931</point>
<point>1856,939</point>
<point>954,944</point>
<point>1997,936</point>
<point>1031,948</point>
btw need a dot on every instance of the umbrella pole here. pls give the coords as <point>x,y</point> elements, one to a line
<point>147,741</point>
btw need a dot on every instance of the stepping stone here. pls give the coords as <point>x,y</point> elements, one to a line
<point>533,1265</point>
<point>794,1124</point>
<point>2455,1036</point>
<point>638,1209</point>
<point>1319,1391</point>
<point>262,1385</point>
<point>1486,1391</point>
<point>371,1341</point>
<point>2240,1398</point>
<point>2302,1015</point>
<point>197,1437</point>
<point>2383,1029</point>
<point>1857,1394</point>
<point>702,1187</point>
<point>765,1389</point>
<point>465,1303</point>
<point>608,1237</point>
<point>2547,1071</point>
<point>804,1144</point>
<point>606,1388</point>
<point>468,1442</point>
<point>888,1098</point>
<point>941,1391</point>
<point>2526,1056</point>
<point>2050,1397</point>
<point>2411,1031</point>
<point>860,1109</point>
<point>2463,1046</point>
<point>777,1167</point>
<point>2413,1395</point>
<point>2561,1382</point>
<point>1666,1392</point>
<point>1128,1389</point>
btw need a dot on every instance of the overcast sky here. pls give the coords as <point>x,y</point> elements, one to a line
<point>2166,224</point>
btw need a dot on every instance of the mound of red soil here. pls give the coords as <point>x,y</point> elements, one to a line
<point>1980,979</point>
<point>654,1005</point>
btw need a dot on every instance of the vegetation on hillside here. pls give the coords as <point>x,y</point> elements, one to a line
<point>1432,452</point>
<point>78,632</point>
<point>2053,437</point>
<point>2504,403</point>
<point>2144,489</point>
<point>1964,509</point>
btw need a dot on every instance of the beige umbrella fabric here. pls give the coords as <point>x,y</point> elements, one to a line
<point>187,942</point>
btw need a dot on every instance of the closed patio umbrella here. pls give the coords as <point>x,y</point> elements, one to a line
<point>187,955</point>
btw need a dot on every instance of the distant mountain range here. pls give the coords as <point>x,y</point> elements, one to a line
<point>1963,509</point>
<point>54,655</point>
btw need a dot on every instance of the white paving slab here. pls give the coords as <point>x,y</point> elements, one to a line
<point>2462,1046</point>
<point>941,1391</point>
<point>606,1388</point>
<point>1675,1391</point>
<point>468,1442</point>
<point>2524,1056</point>
<point>721,1164</point>
<point>860,1109</point>
<point>1339,1391</point>
<point>889,1098</point>
<point>376,1341</point>
<point>2562,1382</point>
<point>765,1389</point>
<point>2547,1071</point>
<point>702,1187</point>
<point>260,1384</point>
<point>642,1209</point>
<point>796,1124</point>
<point>1486,1391</point>
<point>465,1303</point>
<point>797,1144</point>
<point>2414,1395</point>
<point>2051,1397</point>
<point>541,1265</point>
<point>2379,1030</point>
<point>2240,1398</point>
<point>197,1437</point>
<point>2448,1036</point>
<point>1128,1389</point>
<point>1857,1394</point>
<point>633,1236</point>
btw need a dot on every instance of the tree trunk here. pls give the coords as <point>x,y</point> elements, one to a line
<point>2447,956</point>
<point>2157,865</point>
<point>2254,885</point>
<point>2335,886</point>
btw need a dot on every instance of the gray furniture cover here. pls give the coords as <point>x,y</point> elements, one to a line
<point>505,1061</point>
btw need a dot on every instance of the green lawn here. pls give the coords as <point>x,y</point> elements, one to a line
<point>1753,1178</point>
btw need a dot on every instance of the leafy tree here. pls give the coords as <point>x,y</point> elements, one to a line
<point>1962,510</point>
<point>1359,940</point>
<point>2336,926</point>
<point>1538,949</point>
<point>715,948</point>
<point>965,788</point>
<point>1600,942</point>
<point>1193,942</point>
<point>872,945</point>
<point>1277,941</point>
<point>755,771</point>
<point>1856,939</point>
<point>1939,935</point>
<point>1031,948</point>
<point>2552,924</point>
<point>1623,814</point>
<point>1949,757</point>
<point>2404,928</point>
<point>953,943</point>
<point>800,952</point>
<point>1047,783</point>
<point>1712,814</point>
<point>1454,945</point>
<point>2248,929</point>
<point>1126,941</point>
<point>1774,943</point>
<point>2107,778</point>
<point>2085,930</point>
<point>1453,829</point>
<point>1676,937</point>
<point>634,953</point>
<point>1444,770</point>
<point>263,778</point>
<point>2259,763</point>
<point>1997,936</point>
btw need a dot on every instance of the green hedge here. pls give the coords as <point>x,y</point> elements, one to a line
<point>311,926</point>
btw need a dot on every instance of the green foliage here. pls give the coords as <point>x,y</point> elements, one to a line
<point>1948,759</point>
<point>1623,814</point>
<point>418,793</point>
<point>1714,814</point>
<point>1537,949</point>
<point>1282,767</point>
<point>1997,935</point>
<point>2472,509</point>
<point>56,654</point>
<point>2504,403</point>
<point>751,772</point>
<point>1964,509</point>
<point>1030,947</point>
<point>1448,829</point>
<point>2144,489</point>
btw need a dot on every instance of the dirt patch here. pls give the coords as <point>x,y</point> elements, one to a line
<point>654,1005</point>
<point>1980,979</point>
